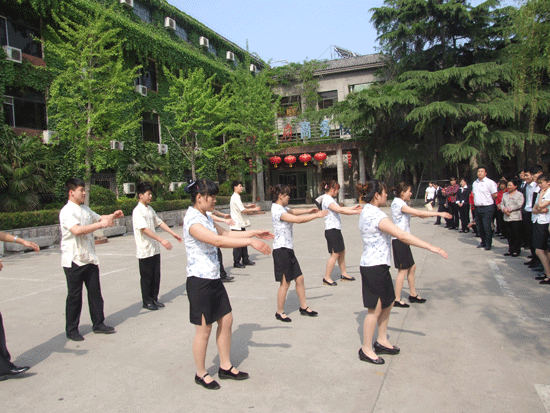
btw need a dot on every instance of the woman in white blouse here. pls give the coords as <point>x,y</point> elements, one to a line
<point>208,300</point>
<point>286,265</point>
<point>402,255</point>
<point>378,294</point>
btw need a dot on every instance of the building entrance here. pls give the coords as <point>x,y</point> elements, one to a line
<point>298,185</point>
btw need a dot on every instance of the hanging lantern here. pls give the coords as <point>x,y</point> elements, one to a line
<point>250,165</point>
<point>320,156</point>
<point>290,159</point>
<point>275,160</point>
<point>305,158</point>
<point>349,159</point>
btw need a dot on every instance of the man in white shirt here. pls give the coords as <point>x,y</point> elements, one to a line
<point>240,255</point>
<point>429,197</point>
<point>531,192</point>
<point>485,192</point>
<point>79,260</point>
<point>144,221</point>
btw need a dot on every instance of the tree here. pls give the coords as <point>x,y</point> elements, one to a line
<point>91,98</point>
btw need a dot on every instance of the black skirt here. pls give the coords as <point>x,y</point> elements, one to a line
<point>540,236</point>
<point>335,240</point>
<point>285,263</point>
<point>402,255</point>
<point>377,284</point>
<point>207,298</point>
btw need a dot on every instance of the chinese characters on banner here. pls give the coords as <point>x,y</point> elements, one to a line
<point>306,130</point>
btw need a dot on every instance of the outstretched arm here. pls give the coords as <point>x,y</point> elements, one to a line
<point>303,217</point>
<point>345,210</point>
<point>199,232</point>
<point>424,214</point>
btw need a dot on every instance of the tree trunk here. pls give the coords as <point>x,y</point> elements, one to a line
<point>260,178</point>
<point>88,162</point>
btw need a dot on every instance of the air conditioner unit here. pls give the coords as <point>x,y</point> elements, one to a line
<point>14,54</point>
<point>203,41</point>
<point>49,136</point>
<point>169,23</point>
<point>129,188</point>
<point>142,90</point>
<point>116,145</point>
<point>230,56</point>
<point>127,3</point>
<point>163,148</point>
<point>253,68</point>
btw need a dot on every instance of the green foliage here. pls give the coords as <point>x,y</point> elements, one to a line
<point>101,196</point>
<point>153,168</point>
<point>225,189</point>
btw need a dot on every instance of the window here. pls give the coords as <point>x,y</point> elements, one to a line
<point>358,88</point>
<point>290,106</point>
<point>212,49</point>
<point>150,127</point>
<point>181,33</point>
<point>20,34</point>
<point>236,61</point>
<point>25,109</point>
<point>148,76</point>
<point>328,99</point>
<point>143,12</point>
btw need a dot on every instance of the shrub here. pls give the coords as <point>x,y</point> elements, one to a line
<point>101,196</point>
<point>226,189</point>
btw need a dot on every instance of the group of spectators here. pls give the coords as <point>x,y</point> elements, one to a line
<point>515,209</point>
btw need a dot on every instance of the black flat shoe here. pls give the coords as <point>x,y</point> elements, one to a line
<point>380,349</point>
<point>399,304</point>
<point>248,262</point>
<point>364,357</point>
<point>547,281</point>
<point>227,279</point>
<point>158,304</point>
<point>311,313</point>
<point>213,385</point>
<point>540,277</point>
<point>238,265</point>
<point>416,299</point>
<point>481,246</point>
<point>150,306</point>
<point>347,278</point>
<point>228,374</point>
<point>280,317</point>
<point>507,254</point>
<point>515,254</point>
<point>332,284</point>
<point>75,337</point>
<point>17,370</point>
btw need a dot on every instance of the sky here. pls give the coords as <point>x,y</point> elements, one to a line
<point>292,30</point>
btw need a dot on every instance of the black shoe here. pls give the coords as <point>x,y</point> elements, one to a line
<point>528,262</point>
<point>158,303</point>
<point>416,299</point>
<point>399,304</point>
<point>238,265</point>
<point>461,231</point>
<point>481,245</point>
<point>507,254</point>
<point>530,257</point>
<point>547,281</point>
<point>311,313</point>
<point>515,254</point>
<point>332,284</point>
<point>213,385</point>
<point>75,337</point>
<point>104,329</point>
<point>150,306</point>
<point>364,357</point>
<point>466,230</point>
<point>17,370</point>
<point>540,277</point>
<point>248,262</point>
<point>227,279</point>
<point>488,248</point>
<point>380,349</point>
<point>534,265</point>
<point>280,317</point>
<point>437,223</point>
<point>228,374</point>
<point>347,278</point>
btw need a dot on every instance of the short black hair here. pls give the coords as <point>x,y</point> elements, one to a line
<point>235,183</point>
<point>74,183</point>
<point>143,187</point>
<point>535,169</point>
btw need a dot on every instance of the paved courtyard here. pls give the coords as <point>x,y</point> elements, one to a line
<point>480,344</point>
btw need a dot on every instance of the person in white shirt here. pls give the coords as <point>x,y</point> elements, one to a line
<point>402,254</point>
<point>208,299</point>
<point>378,293</point>
<point>240,255</point>
<point>79,259</point>
<point>531,191</point>
<point>485,192</point>
<point>429,196</point>
<point>148,242</point>
<point>286,265</point>
<point>541,221</point>
<point>333,231</point>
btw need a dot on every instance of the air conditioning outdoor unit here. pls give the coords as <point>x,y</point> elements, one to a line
<point>142,90</point>
<point>127,3</point>
<point>49,136</point>
<point>174,186</point>
<point>253,68</point>
<point>116,145</point>
<point>163,148</point>
<point>14,54</point>
<point>129,188</point>
<point>169,23</point>
<point>203,41</point>
<point>230,56</point>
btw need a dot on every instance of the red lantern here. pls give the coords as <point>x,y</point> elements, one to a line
<point>275,160</point>
<point>305,158</point>
<point>320,156</point>
<point>290,159</point>
<point>250,165</point>
<point>349,159</point>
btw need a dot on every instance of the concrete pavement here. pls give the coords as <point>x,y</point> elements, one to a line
<point>479,344</point>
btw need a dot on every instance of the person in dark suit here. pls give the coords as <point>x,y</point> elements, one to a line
<point>450,191</point>
<point>441,201</point>
<point>463,203</point>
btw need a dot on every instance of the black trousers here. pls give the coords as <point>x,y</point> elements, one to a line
<point>484,219</point>
<point>5,363</point>
<point>464,212</point>
<point>453,210</point>
<point>514,236</point>
<point>223,273</point>
<point>441,208</point>
<point>76,277</point>
<point>528,228</point>
<point>240,253</point>
<point>149,270</point>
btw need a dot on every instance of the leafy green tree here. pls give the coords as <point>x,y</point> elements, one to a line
<point>91,98</point>
<point>153,168</point>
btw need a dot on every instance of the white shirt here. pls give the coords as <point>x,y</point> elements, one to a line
<point>399,218</point>
<point>282,229</point>
<point>202,258</point>
<point>530,189</point>
<point>78,249</point>
<point>144,216</point>
<point>430,192</point>
<point>332,220</point>
<point>542,218</point>
<point>483,191</point>
<point>376,244</point>
<point>237,207</point>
